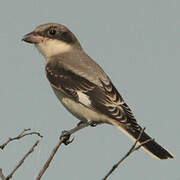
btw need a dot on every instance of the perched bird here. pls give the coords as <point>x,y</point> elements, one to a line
<point>83,87</point>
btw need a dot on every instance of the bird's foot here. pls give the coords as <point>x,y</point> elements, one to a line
<point>65,137</point>
<point>93,123</point>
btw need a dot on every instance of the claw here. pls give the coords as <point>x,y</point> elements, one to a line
<point>66,142</point>
<point>93,124</point>
<point>65,137</point>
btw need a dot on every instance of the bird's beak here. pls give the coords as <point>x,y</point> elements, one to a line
<point>33,38</point>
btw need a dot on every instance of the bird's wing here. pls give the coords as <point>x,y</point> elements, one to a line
<point>103,98</point>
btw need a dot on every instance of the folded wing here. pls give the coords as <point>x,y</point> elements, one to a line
<point>103,98</point>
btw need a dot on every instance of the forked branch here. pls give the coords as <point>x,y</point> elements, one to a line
<point>134,147</point>
<point>64,139</point>
<point>21,135</point>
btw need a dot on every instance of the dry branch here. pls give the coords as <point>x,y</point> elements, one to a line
<point>64,139</point>
<point>21,135</point>
<point>22,160</point>
<point>2,175</point>
<point>132,149</point>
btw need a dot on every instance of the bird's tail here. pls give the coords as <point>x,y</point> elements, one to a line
<point>152,147</point>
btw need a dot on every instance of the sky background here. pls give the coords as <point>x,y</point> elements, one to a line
<point>136,42</point>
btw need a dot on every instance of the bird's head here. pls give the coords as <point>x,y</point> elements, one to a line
<point>52,39</point>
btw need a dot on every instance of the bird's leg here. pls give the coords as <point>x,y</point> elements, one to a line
<point>66,134</point>
<point>91,123</point>
<point>79,123</point>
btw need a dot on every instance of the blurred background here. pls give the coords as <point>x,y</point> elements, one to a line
<point>137,44</point>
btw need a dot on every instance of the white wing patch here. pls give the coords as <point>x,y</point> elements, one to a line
<point>83,98</point>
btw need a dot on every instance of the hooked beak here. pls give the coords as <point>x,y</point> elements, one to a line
<point>33,38</point>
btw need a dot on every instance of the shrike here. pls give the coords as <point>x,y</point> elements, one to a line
<point>83,87</point>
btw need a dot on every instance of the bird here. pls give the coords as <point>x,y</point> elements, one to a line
<point>83,87</point>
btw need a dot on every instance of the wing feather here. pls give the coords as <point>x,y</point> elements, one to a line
<point>104,98</point>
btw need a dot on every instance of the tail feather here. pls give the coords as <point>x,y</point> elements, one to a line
<point>151,147</point>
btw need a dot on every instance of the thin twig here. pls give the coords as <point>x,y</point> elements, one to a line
<point>142,144</point>
<point>132,149</point>
<point>2,175</point>
<point>22,160</point>
<point>21,135</point>
<point>46,165</point>
<point>63,139</point>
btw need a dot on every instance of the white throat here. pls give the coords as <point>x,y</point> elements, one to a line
<point>52,47</point>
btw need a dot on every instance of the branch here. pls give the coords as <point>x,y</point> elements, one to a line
<point>21,135</point>
<point>132,149</point>
<point>2,175</point>
<point>22,160</point>
<point>64,139</point>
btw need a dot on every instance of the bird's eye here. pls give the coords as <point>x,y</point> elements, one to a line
<point>52,32</point>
